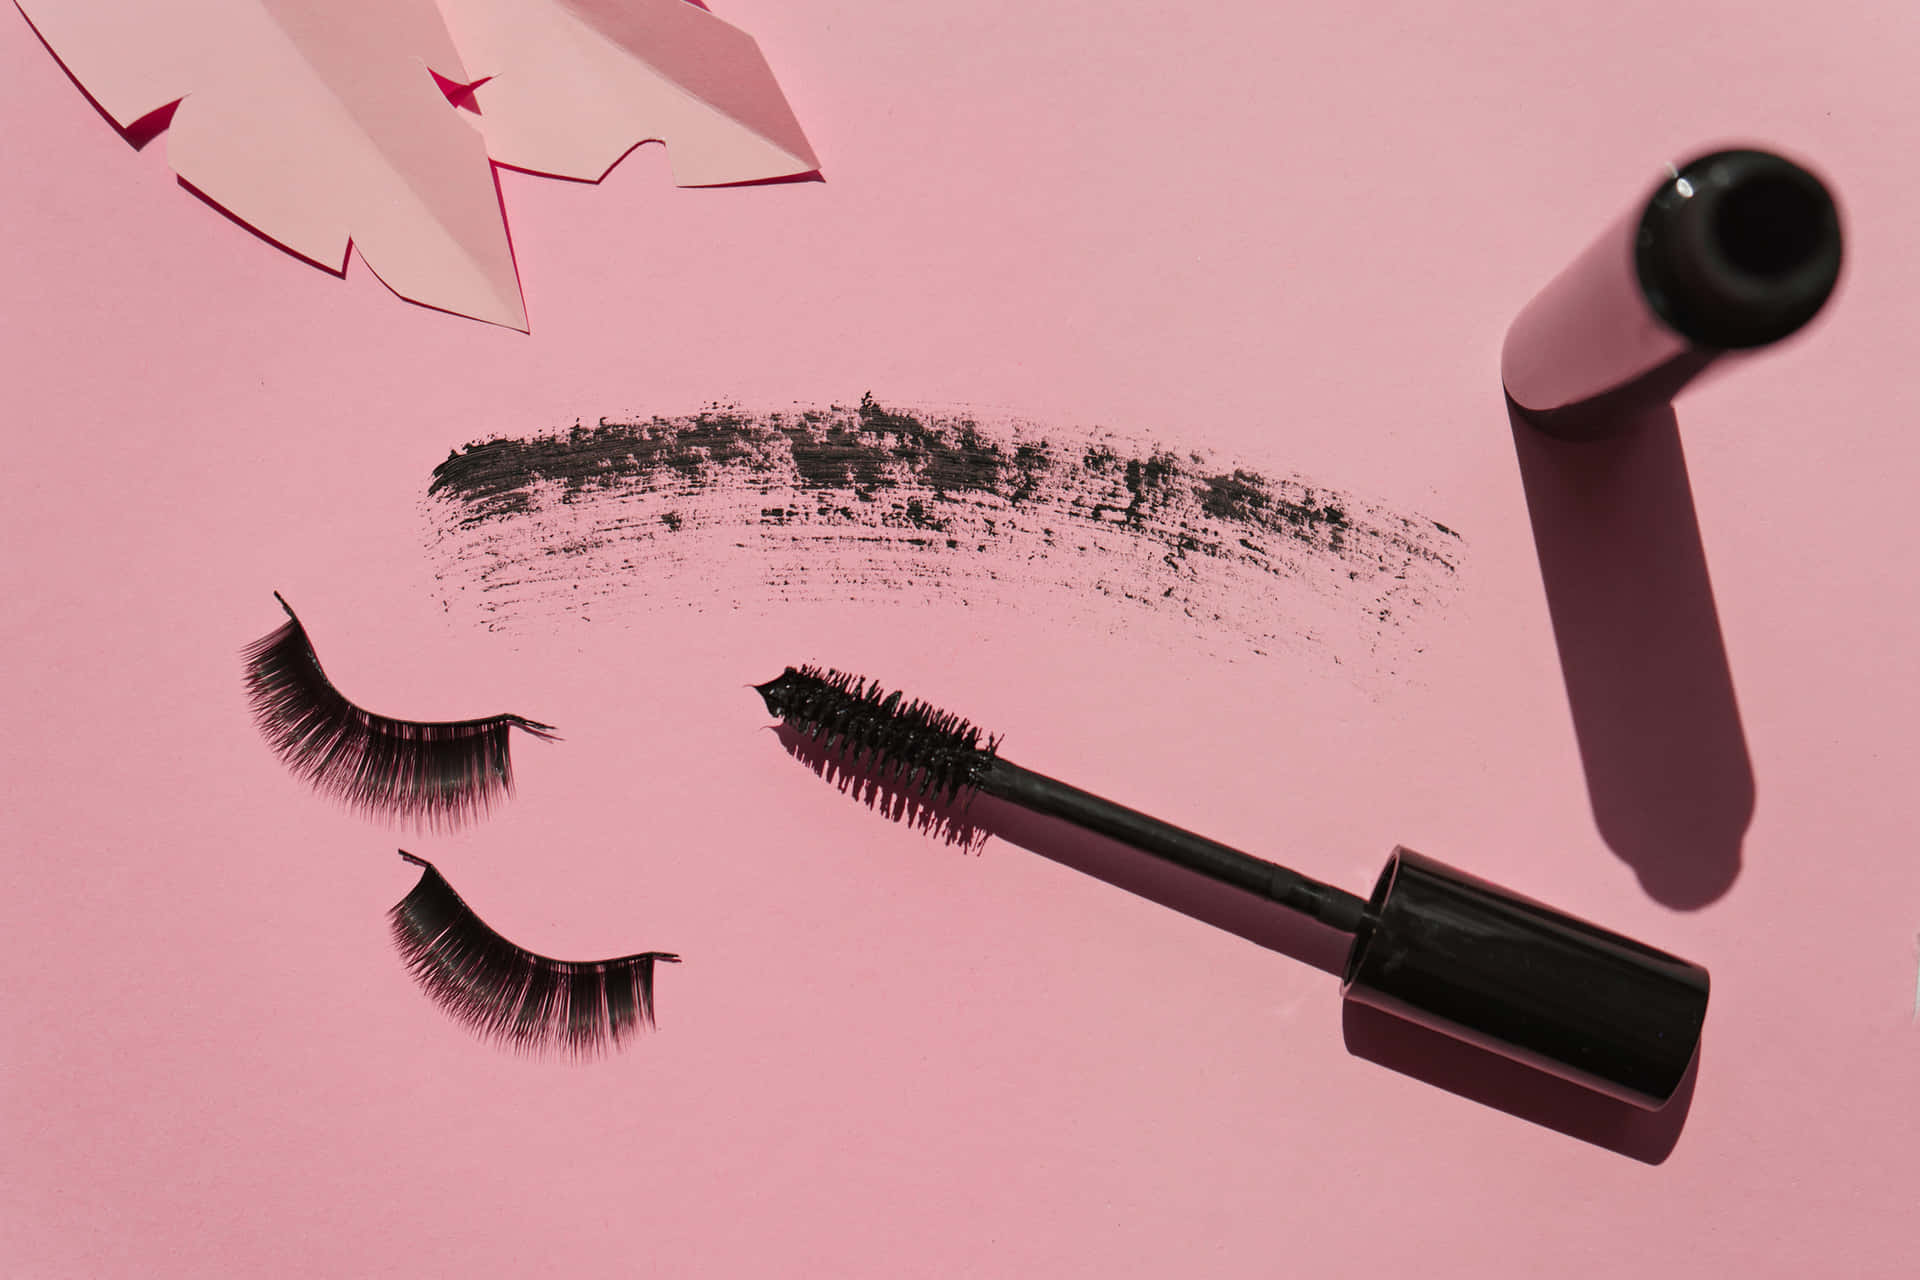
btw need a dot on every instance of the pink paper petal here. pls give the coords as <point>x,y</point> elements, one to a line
<point>328,123</point>
<point>577,83</point>
<point>317,124</point>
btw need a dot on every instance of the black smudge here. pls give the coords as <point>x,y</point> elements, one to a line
<point>846,502</point>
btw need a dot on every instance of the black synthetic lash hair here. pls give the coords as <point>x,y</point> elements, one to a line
<point>506,993</point>
<point>435,776</point>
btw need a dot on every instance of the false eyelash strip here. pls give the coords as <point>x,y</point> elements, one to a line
<point>506,993</point>
<point>434,775</point>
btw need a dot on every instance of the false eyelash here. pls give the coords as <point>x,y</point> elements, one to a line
<point>433,775</point>
<point>506,993</point>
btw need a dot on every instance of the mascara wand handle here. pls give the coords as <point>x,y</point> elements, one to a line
<point>1221,863</point>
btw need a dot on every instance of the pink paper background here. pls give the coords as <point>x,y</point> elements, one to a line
<point>1282,232</point>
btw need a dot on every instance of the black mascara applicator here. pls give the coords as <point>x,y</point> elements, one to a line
<point>1431,944</point>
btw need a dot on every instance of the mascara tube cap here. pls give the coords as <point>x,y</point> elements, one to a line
<point>1453,953</point>
<point>1731,252</point>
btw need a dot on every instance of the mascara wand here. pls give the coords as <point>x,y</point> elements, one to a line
<point>1431,944</point>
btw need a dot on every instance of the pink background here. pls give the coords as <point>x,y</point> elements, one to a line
<point>1283,232</point>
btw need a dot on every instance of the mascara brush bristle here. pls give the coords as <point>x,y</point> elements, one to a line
<point>911,744</point>
<point>949,820</point>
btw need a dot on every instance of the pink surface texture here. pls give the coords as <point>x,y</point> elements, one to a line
<point>1672,691</point>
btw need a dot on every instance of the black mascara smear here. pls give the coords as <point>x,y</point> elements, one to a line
<point>506,993</point>
<point>836,504</point>
<point>438,775</point>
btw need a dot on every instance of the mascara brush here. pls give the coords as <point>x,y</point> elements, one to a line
<point>1431,944</point>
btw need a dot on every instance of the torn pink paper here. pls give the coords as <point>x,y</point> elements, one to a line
<point>576,84</point>
<point>324,125</point>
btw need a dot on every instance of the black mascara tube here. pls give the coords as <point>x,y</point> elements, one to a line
<point>1451,952</point>
<point>1731,253</point>
<point>1432,944</point>
<point>1481,963</point>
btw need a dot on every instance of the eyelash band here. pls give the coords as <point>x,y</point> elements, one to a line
<point>506,993</point>
<point>435,776</point>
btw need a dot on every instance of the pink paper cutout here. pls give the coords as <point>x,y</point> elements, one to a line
<point>576,84</point>
<point>332,126</point>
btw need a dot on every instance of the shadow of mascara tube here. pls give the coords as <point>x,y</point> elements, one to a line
<point>1730,253</point>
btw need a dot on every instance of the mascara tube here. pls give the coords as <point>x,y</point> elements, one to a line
<point>1731,253</point>
<point>1483,964</point>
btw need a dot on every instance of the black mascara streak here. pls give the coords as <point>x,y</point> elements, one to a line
<point>854,502</point>
<point>509,995</point>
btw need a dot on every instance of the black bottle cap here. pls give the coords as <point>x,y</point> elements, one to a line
<point>1454,953</point>
<point>1738,249</point>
